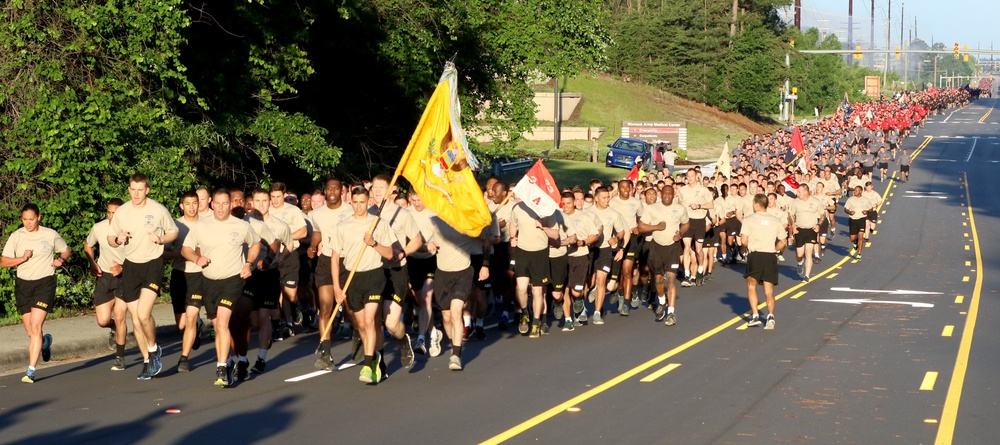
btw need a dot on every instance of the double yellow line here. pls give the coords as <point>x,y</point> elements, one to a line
<point>949,414</point>
<point>919,149</point>
<point>573,402</point>
<point>983,119</point>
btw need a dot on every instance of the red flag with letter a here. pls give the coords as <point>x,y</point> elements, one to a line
<point>633,175</point>
<point>790,182</point>
<point>538,190</point>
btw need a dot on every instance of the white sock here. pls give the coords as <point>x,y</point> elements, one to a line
<point>662,300</point>
<point>701,270</point>
<point>31,369</point>
<point>670,309</point>
<point>262,354</point>
<point>220,364</point>
<point>151,348</point>
<point>467,319</point>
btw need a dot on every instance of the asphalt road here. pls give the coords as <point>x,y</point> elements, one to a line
<point>914,364</point>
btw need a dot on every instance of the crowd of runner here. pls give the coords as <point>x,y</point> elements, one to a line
<point>281,263</point>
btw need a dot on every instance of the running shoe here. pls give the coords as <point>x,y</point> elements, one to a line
<point>671,319</point>
<point>686,282</point>
<point>435,349</point>
<point>535,332</point>
<point>155,365</point>
<point>259,366</point>
<point>621,304</point>
<point>324,362</point>
<point>597,318</point>
<point>578,305</point>
<point>625,310</point>
<point>144,374</point>
<point>708,276</point>
<point>299,316</point>
<point>805,279</point>
<point>276,335</point>
<point>522,325</point>
<point>592,295</point>
<point>781,258</point>
<point>557,310</point>
<point>568,326</point>
<point>242,370</point>
<point>857,257</point>
<point>576,323</point>
<point>29,377</point>
<point>615,298</point>
<point>504,321</point>
<point>544,328</point>
<point>182,365</point>
<point>466,333</point>
<point>480,333</point>
<point>112,343</point>
<point>770,322</point>
<point>699,279</point>
<point>636,301</point>
<point>289,331</point>
<point>754,322</point>
<point>46,347</point>
<point>660,312</point>
<point>118,364</point>
<point>583,315</point>
<point>455,363</point>
<point>371,374</point>
<point>406,351</point>
<point>800,268</point>
<point>221,376</point>
<point>419,348</point>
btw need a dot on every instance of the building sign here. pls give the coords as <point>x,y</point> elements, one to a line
<point>873,86</point>
<point>654,132</point>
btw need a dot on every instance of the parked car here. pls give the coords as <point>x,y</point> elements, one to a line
<point>625,151</point>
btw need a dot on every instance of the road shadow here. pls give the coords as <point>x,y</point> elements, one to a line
<point>138,430</point>
<point>737,303</point>
<point>11,415</point>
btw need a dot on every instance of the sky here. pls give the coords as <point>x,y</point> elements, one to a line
<point>969,22</point>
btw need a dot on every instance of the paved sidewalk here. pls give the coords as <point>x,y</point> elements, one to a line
<point>76,337</point>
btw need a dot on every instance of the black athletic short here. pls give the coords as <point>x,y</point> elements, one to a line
<point>107,288</point>
<point>221,293</point>
<point>663,259</point>
<point>634,247</point>
<point>578,270</point>
<point>904,168</point>
<point>872,216</point>
<point>558,271</point>
<point>186,289</point>
<point>35,294</point>
<point>696,230</point>
<point>449,286</point>
<point>532,264</point>
<point>734,225</point>
<point>366,287</point>
<point>306,268</point>
<point>139,276</point>
<point>395,284</point>
<point>263,288</point>
<point>476,264</point>
<point>856,226</point>
<point>422,269</point>
<point>883,165</point>
<point>867,170</point>
<point>290,271</point>
<point>604,260</point>
<point>762,266</point>
<point>712,238</point>
<point>805,236</point>
<point>824,226</point>
<point>324,275</point>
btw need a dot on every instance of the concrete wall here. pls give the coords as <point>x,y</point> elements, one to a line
<point>545,102</point>
<point>546,134</point>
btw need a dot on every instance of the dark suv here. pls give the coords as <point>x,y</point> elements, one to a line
<point>624,152</point>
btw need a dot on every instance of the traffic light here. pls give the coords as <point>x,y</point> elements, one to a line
<point>897,51</point>
<point>956,51</point>
<point>965,55</point>
<point>792,42</point>
<point>858,48</point>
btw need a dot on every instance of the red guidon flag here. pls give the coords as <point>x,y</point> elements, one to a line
<point>790,182</point>
<point>633,175</point>
<point>538,190</point>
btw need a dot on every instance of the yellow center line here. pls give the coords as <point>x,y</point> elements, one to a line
<point>660,373</point>
<point>948,330</point>
<point>920,148</point>
<point>830,276</point>
<point>983,119</point>
<point>949,414</point>
<point>796,296</point>
<point>929,379</point>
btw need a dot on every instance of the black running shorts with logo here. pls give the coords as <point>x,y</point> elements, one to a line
<point>107,288</point>
<point>221,293</point>
<point>712,238</point>
<point>579,269</point>
<point>604,260</point>
<point>904,168</point>
<point>883,165</point>
<point>395,283</point>
<point>872,216</point>
<point>422,269</point>
<point>534,265</point>
<point>634,247</point>
<point>805,236</point>
<point>856,226</point>
<point>263,288</point>
<point>762,266</point>
<point>734,225</point>
<point>323,272</point>
<point>449,286</point>
<point>139,276</point>
<point>476,263</point>
<point>178,291</point>
<point>306,268</point>
<point>558,271</point>
<point>290,271</point>
<point>663,259</point>
<point>824,226</point>
<point>195,291</point>
<point>696,230</point>
<point>35,294</point>
<point>366,287</point>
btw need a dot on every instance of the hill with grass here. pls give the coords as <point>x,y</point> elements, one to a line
<point>608,101</point>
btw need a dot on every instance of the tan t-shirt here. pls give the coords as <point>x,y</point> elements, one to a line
<point>695,194</point>
<point>489,232</point>
<point>404,228</point>
<point>873,197</point>
<point>855,181</point>
<point>763,231</point>
<point>556,220</point>
<point>183,228</point>
<point>807,212</point>
<point>44,244</point>
<point>529,237</point>
<point>280,231</point>
<point>151,218</point>
<point>266,238</point>
<point>612,223</point>
<point>453,247</point>
<point>350,241</point>
<point>222,242</point>
<point>782,215</point>
<point>674,215</point>
<point>292,216</point>
<point>582,224</point>
<point>857,205</point>
<point>504,214</point>
<point>107,256</point>
<point>325,221</point>
<point>424,220</point>
<point>630,209</point>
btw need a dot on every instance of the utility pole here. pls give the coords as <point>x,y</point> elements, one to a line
<point>850,29</point>
<point>798,15</point>
<point>871,34</point>
<point>556,112</point>
<point>888,29</point>
<point>902,13</point>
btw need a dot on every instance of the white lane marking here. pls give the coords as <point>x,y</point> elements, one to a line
<point>867,301</point>
<point>940,160</point>
<point>974,140</point>
<point>932,197</point>
<point>307,376</point>
<point>924,193</point>
<point>892,292</point>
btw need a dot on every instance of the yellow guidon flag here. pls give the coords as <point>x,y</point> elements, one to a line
<point>439,165</point>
